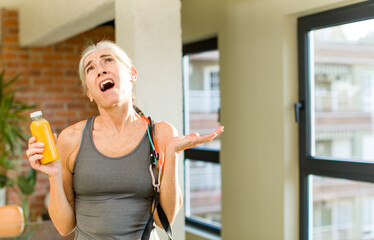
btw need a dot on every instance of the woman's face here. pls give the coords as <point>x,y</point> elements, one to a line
<point>108,80</point>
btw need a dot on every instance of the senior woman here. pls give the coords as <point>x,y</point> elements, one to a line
<point>101,186</point>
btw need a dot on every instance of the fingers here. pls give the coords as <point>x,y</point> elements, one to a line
<point>193,135</point>
<point>34,152</point>
<point>35,148</point>
<point>32,140</point>
<point>219,130</point>
<point>55,136</point>
<point>35,160</point>
<point>209,137</point>
<point>194,139</point>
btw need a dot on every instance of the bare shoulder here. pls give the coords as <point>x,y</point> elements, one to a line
<point>72,134</point>
<point>165,129</point>
<point>164,133</point>
<point>68,143</point>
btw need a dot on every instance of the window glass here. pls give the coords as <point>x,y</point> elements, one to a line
<point>203,191</point>
<point>202,94</point>
<point>201,111</point>
<point>342,91</point>
<point>341,209</point>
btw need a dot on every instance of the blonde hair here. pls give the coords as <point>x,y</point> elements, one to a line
<point>105,44</point>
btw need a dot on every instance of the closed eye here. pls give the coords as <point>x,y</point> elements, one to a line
<point>89,69</point>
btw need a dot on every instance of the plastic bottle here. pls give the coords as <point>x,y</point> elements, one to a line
<point>41,130</point>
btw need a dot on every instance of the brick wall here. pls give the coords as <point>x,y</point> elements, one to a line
<point>50,75</point>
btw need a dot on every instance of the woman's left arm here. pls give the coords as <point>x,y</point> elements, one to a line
<point>170,193</point>
<point>170,145</point>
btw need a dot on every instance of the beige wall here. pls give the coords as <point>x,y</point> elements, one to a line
<point>10,4</point>
<point>199,19</point>
<point>44,22</point>
<point>259,85</point>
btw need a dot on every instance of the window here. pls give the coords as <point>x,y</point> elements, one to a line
<point>201,114</point>
<point>336,127</point>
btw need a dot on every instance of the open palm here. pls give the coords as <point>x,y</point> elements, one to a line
<point>181,143</point>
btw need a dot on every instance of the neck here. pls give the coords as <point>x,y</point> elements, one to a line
<point>118,117</point>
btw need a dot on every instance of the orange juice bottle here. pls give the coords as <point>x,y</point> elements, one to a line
<point>41,130</point>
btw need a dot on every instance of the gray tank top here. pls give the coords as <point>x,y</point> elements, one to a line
<point>113,195</point>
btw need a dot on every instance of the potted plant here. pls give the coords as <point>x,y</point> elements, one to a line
<point>12,135</point>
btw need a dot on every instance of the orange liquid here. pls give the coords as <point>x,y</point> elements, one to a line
<point>41,130</point>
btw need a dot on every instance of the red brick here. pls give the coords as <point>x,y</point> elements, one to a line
<point>53,73</point>
<point>66,114</point>
<point>9,73</point>
<point>32,72</point>
<point>75,41</point>
<point>76,106</point>
<point>33,90</point>
<point>53,90</point>
<point>41,65</point>
<point>10,47</point>
<point>23,56</point>
<point>64,98</point>
<point>9,55</point>
<point>64,49</point>
<point>66,81</point>
<point>56,122</point>
<point>75,90</point>
<point>22,82</point>
<point>42,81</point>
<point>67,65</point>
<point>17,64</point>
<point>11,31</point>
<point>52,56</point>
<point>23,98</point>
<point>42,49</point>
<point>40,98</point>
<point>10,22</point>
<point>72,73</point>
<point>87,114</point>
<point>11,13</point>
<point>72,57</point>
<point>10,39</point>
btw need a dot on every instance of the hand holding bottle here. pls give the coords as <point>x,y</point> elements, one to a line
<point>42,149</point>
<point>34,153</point>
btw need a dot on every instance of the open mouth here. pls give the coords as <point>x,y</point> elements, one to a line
<point>106,84</point>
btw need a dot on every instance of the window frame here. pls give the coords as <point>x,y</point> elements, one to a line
<point>200,154</point>
<point>323,166</point>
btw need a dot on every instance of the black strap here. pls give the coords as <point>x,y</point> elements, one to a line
<point>161,214</point>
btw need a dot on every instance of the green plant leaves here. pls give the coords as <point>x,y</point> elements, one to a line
<point>3,180</point>
<point>27,183</point>
<point>11,119</point>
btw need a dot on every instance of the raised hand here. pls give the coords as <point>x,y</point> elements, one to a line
<point>181,143</point>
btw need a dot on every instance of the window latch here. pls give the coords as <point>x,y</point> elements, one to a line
<point>298,106</point>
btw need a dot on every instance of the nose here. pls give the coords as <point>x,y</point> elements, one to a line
<point>101,69</point>
<point>101,72</point>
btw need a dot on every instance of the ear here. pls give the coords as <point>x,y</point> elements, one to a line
<point>89,95</point>
<point>133,73</point>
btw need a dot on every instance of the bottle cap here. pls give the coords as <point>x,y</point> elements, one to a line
<point>36,114</point>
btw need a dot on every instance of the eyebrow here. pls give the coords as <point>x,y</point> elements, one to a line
<point>102,56</point>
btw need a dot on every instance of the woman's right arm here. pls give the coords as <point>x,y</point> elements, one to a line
<point>61,200</point>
